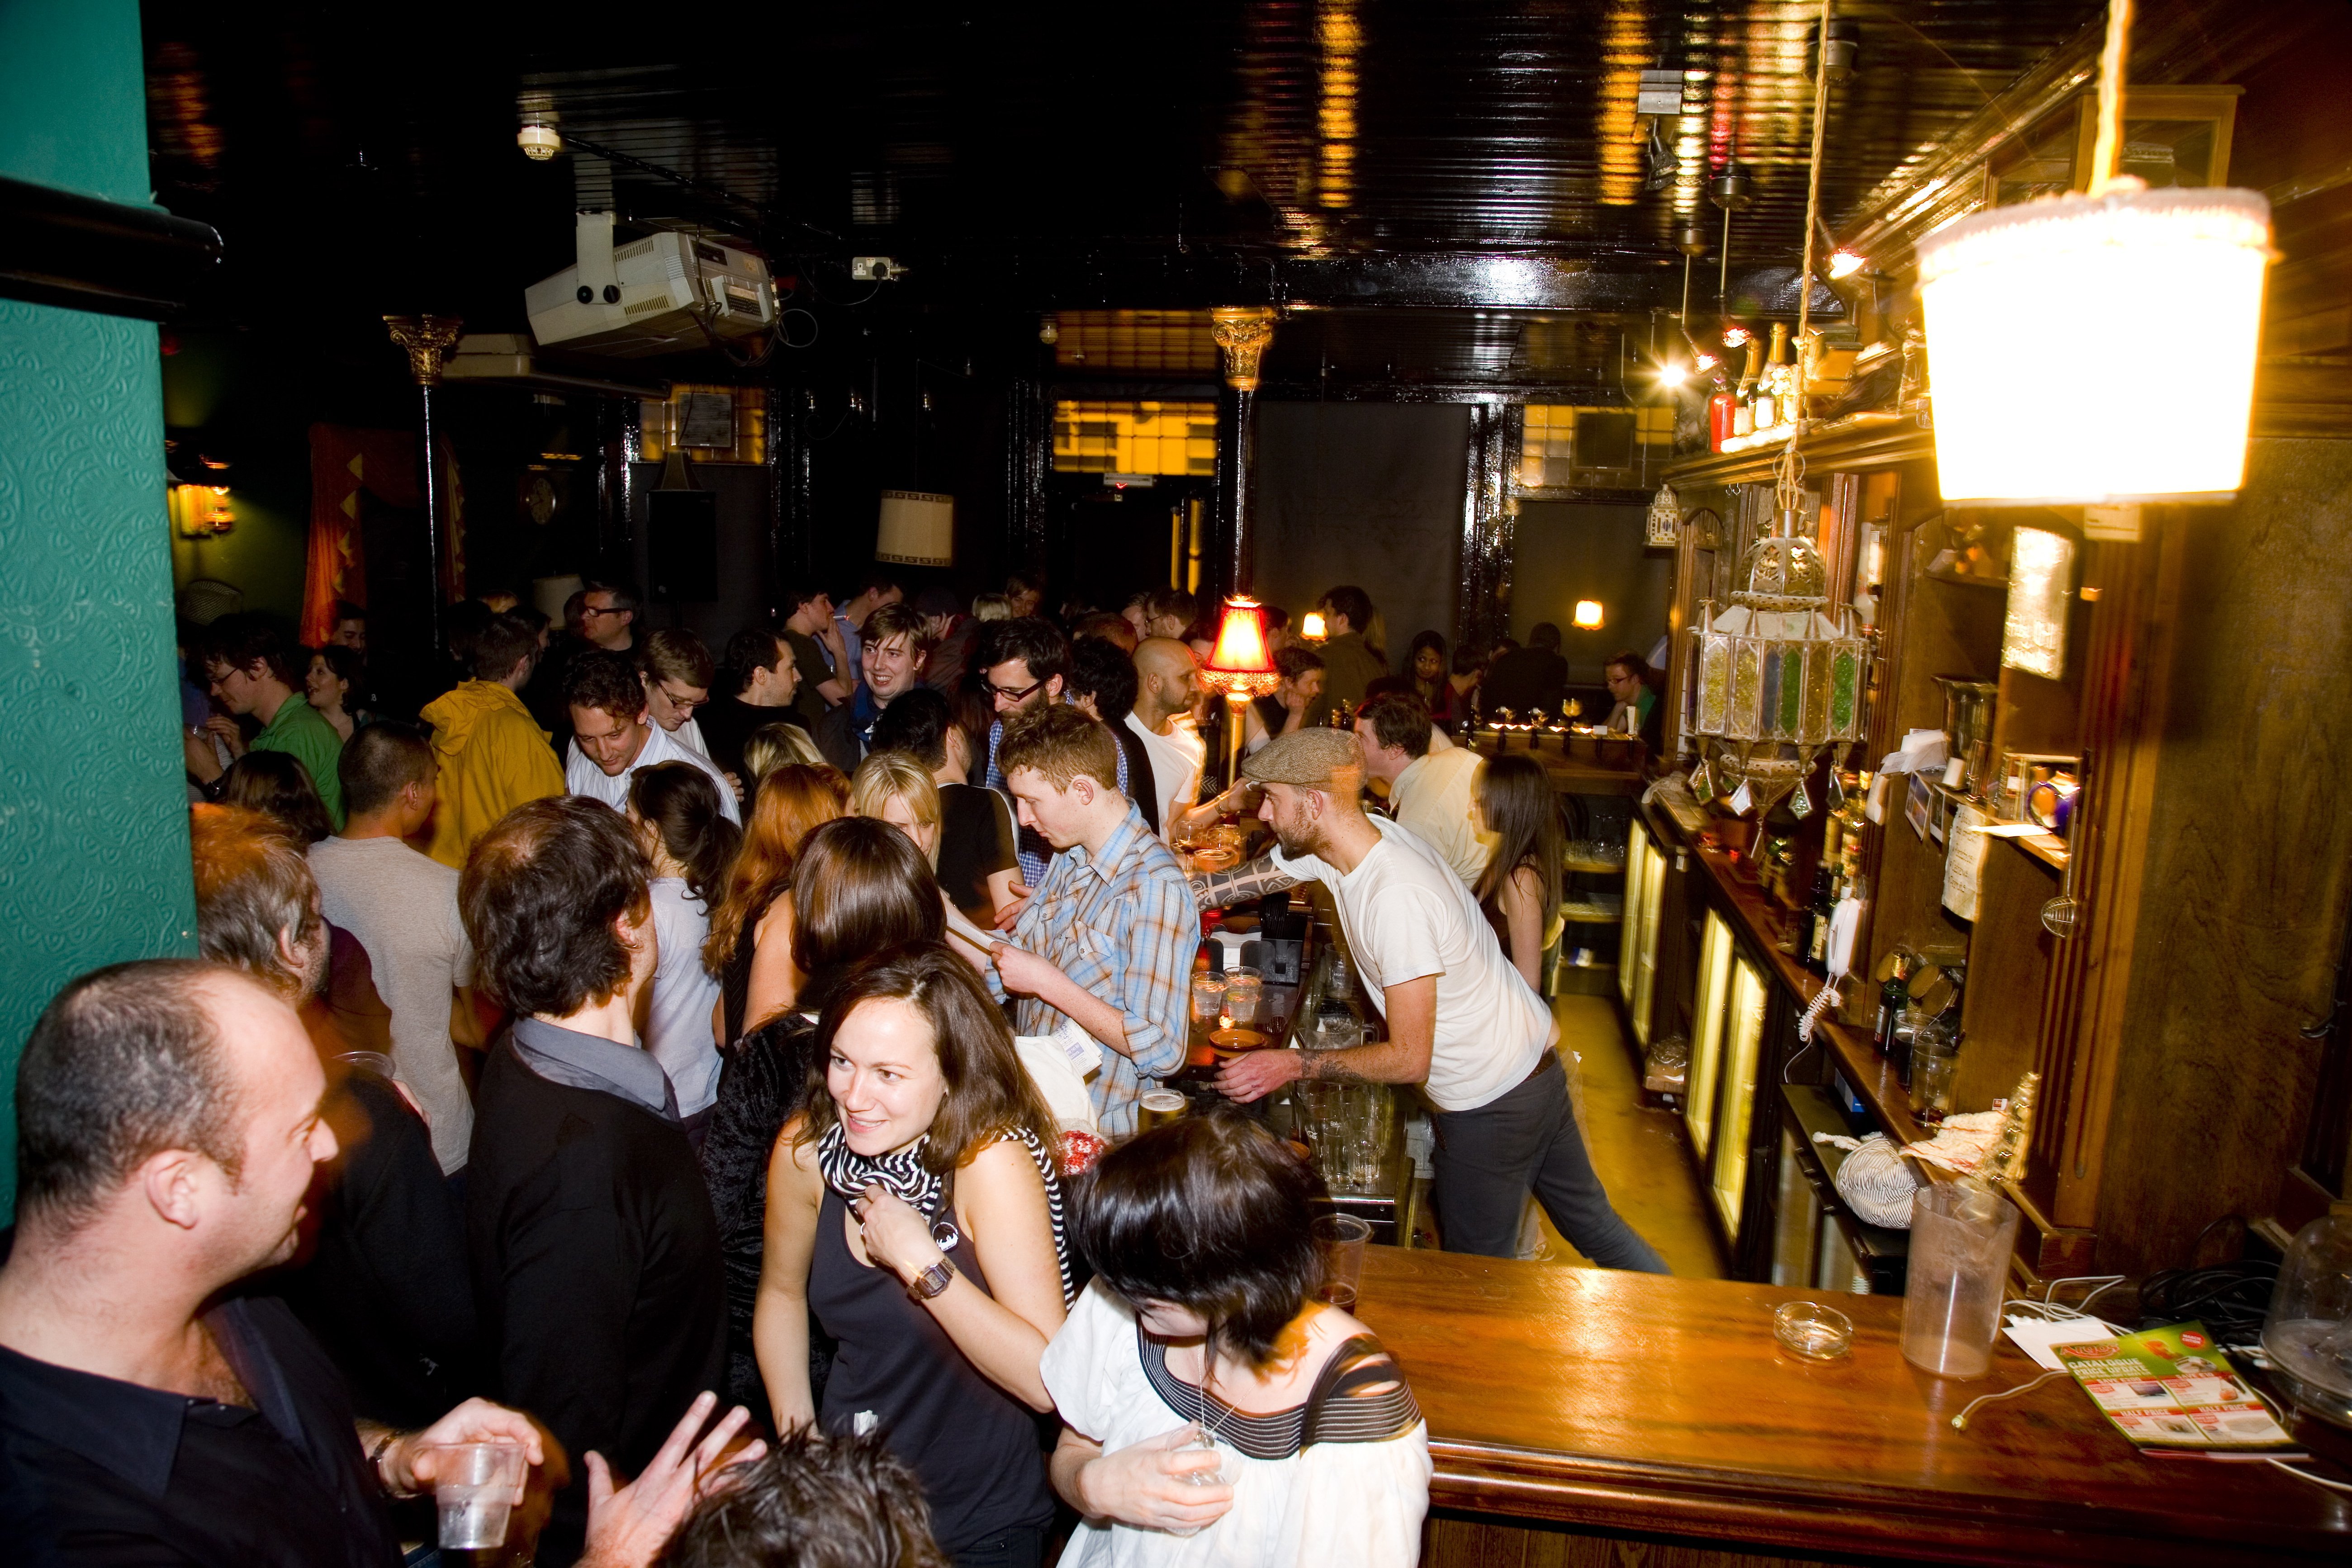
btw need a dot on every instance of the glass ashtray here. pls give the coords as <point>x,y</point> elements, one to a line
<point>1811,1331</point>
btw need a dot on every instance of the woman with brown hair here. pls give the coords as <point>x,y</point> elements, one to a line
<point>858,887</point>
<point>1519,892</point>
<point>915,1209</point>
<point>749,948</point>
<point>689,845</point>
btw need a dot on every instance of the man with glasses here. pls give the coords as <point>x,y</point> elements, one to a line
<point>676,670</point>
<point>1023,665</point>
<point>607,614</point>
<point>892,662</point>
<point>610,738</point>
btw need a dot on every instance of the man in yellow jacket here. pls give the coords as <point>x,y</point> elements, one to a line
<point>493,754</point>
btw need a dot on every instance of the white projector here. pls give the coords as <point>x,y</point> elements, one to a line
<point>667,294</point>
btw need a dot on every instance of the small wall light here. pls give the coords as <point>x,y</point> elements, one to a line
<point>1588,615</point>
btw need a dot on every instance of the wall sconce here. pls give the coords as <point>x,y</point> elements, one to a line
<point>1310,627</point>
<point>1588,615</point>
<point>200,510</point>
<point>2033,636</point>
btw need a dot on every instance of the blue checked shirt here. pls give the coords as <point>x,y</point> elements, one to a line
<point>1029,846</point>
<point>1124,926</point>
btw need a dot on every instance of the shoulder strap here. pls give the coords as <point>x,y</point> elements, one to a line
<point>1357,1363</point>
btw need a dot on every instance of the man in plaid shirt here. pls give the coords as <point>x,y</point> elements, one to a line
<point>1107,941</point>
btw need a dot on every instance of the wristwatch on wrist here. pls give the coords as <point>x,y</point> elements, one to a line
<point>376,1463</point>
<point>933,1280</point>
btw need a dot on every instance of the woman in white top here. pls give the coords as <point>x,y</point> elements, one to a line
<point>1198,1328</point>
<point>691,845</point>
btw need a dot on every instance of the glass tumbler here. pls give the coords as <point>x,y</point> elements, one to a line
<point>1208,997</point>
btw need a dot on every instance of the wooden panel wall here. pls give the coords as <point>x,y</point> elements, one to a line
<point>2245,880</point>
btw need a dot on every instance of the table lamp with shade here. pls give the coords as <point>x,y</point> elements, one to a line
<point>1242,667</point>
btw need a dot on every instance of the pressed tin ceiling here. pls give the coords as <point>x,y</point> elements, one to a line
<point>1028,157</point>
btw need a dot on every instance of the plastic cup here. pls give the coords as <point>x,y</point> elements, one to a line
<point>1961,1237</point>
<point>1340,1238</point>
<point>476,1487</point>
<point>1208,997</point>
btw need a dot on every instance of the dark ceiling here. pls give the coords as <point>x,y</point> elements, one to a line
<point>360,159</point>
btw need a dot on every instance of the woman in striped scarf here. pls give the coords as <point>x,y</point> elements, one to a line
<point>915,1209</point>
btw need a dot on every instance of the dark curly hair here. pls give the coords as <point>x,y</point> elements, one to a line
<point>249,638</point>
<point>540,895</point>
<point>815,1501</point>
<point>1103,670</point>
<point>607,681</point>
<point>1211,1214</point>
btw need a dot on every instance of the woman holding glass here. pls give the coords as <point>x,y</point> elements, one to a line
<point>914,1209</point>
<point>1213,1411</point>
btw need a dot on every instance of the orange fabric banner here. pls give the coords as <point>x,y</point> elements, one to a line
<point>345,461</point>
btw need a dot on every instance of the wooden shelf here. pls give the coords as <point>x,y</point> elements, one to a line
<point>1592,867</point>
<point>1600,908</point>
<point>1857,441</point>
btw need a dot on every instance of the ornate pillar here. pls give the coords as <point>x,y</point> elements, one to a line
<point>1484,611</point>
<point>426,339</point>
<point>1028,473</point>
<point>1243,334</point>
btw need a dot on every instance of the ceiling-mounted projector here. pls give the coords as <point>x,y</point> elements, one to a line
<point>667,294</point>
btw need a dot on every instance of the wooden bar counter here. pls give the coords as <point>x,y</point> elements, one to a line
<point>1589,1416</point>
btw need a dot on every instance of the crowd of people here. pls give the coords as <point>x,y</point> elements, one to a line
<point>629,1033</point>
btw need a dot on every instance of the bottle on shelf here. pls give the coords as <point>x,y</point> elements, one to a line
<point>1815,956</point>
<point>1743,416</point>
<point>1770,404</point>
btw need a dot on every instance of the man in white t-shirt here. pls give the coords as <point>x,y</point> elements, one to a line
<point>1167,679</point>
<point>610,738</point>
<point>1461,1022</point>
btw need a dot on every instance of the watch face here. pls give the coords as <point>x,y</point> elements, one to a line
<point>539,500</point>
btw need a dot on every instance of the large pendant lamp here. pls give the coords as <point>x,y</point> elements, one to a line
<point>2051,326</point>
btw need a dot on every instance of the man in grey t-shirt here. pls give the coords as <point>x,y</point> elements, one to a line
<point>402,905</point>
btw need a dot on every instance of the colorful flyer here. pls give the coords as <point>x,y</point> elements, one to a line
<point>2173,1390</point>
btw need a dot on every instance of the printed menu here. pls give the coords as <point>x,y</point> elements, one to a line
<point>2173,1390</point>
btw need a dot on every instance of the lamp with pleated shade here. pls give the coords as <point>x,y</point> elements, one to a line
<point>918,529</point>
<point>1242,667</point>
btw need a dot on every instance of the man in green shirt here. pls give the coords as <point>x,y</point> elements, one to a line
<point>251,670</point>
<point>1349,663</point>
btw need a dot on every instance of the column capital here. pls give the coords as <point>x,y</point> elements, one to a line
<point>1242,332</point>
<point>426,339</point>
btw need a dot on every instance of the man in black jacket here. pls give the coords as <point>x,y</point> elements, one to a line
<point>596,1255</point>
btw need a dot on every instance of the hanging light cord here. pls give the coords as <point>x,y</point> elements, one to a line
<point>1789,483</point>
<point>2113,59</point>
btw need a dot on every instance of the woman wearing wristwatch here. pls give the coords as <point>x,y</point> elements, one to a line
<point>915,1207</point>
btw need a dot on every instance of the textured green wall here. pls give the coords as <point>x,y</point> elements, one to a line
<point>93,824</point>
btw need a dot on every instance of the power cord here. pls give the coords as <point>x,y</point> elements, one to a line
<point>1960,1422</point>
<point>2307,1476</point>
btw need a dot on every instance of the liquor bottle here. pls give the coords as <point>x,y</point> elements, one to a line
<point>1893,997</point>
<point>1815,956</point>
<point>1721,409</point>
<point>1777,385</point>
<point>1743,416</point>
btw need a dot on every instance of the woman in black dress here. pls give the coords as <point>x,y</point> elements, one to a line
<point>859,886</point>
<point>915,1209</point>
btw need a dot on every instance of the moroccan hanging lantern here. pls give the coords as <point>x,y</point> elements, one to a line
<point>1778,675</point>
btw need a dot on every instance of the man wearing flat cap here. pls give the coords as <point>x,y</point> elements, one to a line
<point>1461,1022</point>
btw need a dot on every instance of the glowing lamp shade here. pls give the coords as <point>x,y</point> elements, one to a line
<point>1310,627</point>
<point>1241,663</point>
<point>916,529</point>
<point>2095,350</point>
<point>1588,615</point>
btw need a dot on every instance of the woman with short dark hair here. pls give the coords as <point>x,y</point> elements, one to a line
<point>690,845</point>
<point>915,1207</point>
<point>1201,1327</point>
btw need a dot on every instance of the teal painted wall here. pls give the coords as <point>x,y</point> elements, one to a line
<point>93,820</point>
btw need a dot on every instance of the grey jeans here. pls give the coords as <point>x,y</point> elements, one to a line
<point>1490,1158</point>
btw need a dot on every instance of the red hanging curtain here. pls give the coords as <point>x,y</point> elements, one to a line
<point>345,460</point>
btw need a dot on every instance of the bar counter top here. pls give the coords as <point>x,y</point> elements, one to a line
<point>1624,1404</point>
